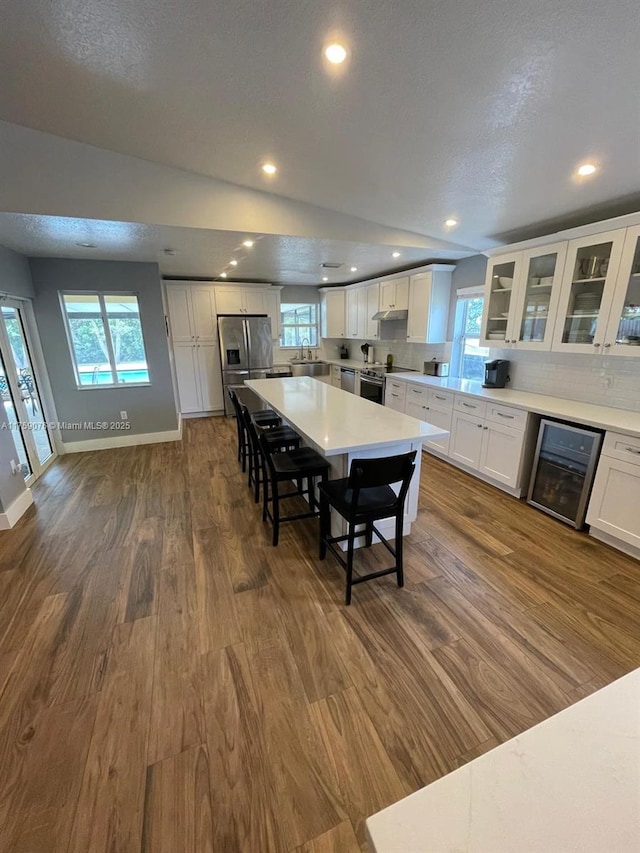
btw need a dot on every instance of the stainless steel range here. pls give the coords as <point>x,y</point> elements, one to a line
<point>372,379</point>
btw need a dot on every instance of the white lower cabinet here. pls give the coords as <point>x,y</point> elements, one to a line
<point>613,507</point>
<point>395,393</point>
<point>336,376</point>
<point>198,377</point>
<point>501,453</point>
<point>494,450</point>
<point>465,443</point>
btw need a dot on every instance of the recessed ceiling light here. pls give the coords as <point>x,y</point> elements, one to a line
<point>324,278</point>
<point>233,263</point>
<point>587,169</point>
<point>87,245</point>
<point>335,53</point>
<point>223,275</point>
<point>451,223</point>
<point>269,168</point>
<point>395,254</point>
<point>248,243</point>
<point>354,269</point>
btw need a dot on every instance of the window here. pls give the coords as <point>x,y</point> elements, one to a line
<point>468,357</point>
<point>105,339</point>
<point>298,322</point>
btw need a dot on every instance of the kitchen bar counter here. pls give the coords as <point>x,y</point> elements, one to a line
<point>344,427</point>
<point>604,417</point>
<point>333,421</point>
<point>571,783</point>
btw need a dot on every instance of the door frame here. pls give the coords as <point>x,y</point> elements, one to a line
<point>45,396</point>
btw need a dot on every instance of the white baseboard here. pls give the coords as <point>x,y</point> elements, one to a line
<point>17,509</point>
<point>209,414</point>
<point>127,440</point>
<point>614,542</point>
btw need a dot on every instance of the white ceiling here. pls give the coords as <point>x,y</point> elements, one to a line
<point>475,110</point>
<point>205,253</point>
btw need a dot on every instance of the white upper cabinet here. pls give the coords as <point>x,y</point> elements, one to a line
<point>192,312</point>
<point>394,294</point>
<point>371,331</point>
<point>333,314</point>
<point>352,313</point>
<point>535,298</point>
<point>503,274</point>
<point>622,336</point>
<point>429,299</point>
<point>241,300</point>
<point>362,312</point>
<point>272,304</point>
<point>588,285</point>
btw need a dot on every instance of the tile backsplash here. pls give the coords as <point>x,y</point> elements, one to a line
<point>605,381</point>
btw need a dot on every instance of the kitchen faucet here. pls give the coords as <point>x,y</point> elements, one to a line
<point>302,349</point>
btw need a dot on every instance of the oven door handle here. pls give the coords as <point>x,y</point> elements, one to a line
<point>377,382</point>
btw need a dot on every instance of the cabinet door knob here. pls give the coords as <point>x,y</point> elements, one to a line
<point>596,345</point>
<point>606,346</point>
<point>485,427</point>
<point>479,426</point>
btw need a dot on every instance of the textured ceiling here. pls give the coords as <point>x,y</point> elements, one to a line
<point>476,110</point>
<point>204,253</point>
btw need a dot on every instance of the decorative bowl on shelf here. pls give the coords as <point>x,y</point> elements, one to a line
<point>504,313</point>
<point>496,336</point>
<point>504,282</point>
<point>546,281</point>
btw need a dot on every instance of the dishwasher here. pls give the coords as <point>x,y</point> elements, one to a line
<point>563,470</point>
<point>348,379</point>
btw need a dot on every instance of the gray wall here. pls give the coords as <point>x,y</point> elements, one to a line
<point>150,408</point>
<point>469,272</point>
<point>299,293</point>
<point>15,277</point>
<point>11,485</point>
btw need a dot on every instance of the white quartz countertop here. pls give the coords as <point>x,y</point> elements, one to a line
<point>571,783</point>
<point>335,421</point>
<point>604,417</point>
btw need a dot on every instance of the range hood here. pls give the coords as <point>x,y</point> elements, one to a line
<point>396,314</point>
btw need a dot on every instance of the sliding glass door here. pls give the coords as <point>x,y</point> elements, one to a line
<point>19,392</point>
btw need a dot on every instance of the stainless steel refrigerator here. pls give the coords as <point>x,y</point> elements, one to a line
<point>246,352</point>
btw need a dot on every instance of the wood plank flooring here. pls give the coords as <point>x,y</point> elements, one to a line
<point>171,682</point>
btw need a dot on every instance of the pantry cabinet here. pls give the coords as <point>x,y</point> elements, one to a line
<point>272,307</point>
<point>192,327</point>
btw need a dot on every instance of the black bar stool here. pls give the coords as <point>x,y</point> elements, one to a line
<point>278,438</point>
<point>366,496</point>
<point>266,417</point>
<point>294,465</point>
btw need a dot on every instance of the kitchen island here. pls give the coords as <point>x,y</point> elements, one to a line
<point>342,427</point>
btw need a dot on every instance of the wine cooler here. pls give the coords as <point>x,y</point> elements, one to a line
<point>563,470</point>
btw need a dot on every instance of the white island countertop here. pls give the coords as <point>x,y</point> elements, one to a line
<point>568,785</point>
<point>604,417</point>
<point>336,422</point>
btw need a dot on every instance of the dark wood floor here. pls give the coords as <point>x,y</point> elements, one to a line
<point>170,682</point>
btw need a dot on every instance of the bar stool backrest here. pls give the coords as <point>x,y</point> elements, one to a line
<point>235,403</point>
<point>386,471</point>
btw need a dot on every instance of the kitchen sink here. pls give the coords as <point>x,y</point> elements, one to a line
<point>309,368</point>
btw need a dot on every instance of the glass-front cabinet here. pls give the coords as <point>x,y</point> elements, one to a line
<point>502,276</point>
<point>622,336</point>
<point>588,286</point>
<point>537,296</point>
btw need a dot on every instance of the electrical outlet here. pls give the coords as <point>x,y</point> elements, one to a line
<point>15,467</point>
<point>124,416</point>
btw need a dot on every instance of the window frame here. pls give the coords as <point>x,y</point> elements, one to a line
<point>459,337</point>
<point>284,325</point>
<point>101,294</point>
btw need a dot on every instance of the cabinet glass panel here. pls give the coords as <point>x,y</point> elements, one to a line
<point>500,300</point>
<point>537,299</point>
<point>628,333</point>
<point>587,290</point>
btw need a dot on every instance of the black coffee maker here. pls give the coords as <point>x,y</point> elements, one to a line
<point>496,373</point>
